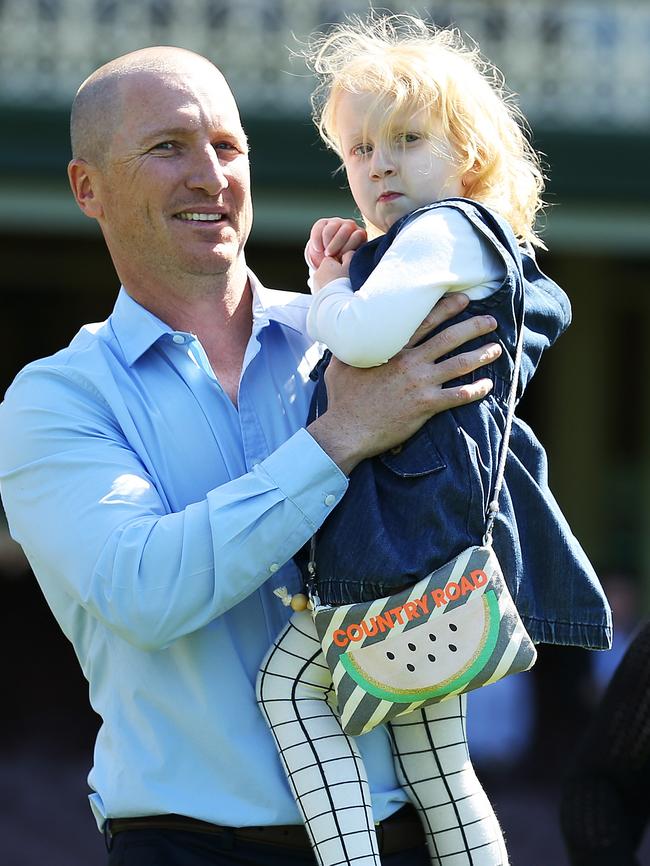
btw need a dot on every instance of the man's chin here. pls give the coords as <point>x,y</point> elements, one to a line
<point>220,260</point>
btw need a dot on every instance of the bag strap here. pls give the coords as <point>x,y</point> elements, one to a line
<point>493,505</point>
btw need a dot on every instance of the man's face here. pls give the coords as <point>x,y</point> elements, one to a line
<point>174,192</point>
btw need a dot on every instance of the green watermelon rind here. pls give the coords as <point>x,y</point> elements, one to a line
<point>455,685</point>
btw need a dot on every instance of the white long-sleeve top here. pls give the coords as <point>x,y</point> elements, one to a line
<point>439,251</point>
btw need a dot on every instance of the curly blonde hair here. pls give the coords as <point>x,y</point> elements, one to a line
<point>417,65</point>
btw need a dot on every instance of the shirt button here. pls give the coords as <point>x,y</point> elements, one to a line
<point>178,338</point>
<point>330,499</point>
<point>273,567</point>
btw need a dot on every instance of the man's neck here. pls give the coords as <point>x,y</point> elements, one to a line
<point>220,315</point>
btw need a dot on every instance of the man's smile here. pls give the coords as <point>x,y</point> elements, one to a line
<point>211,214</point>
<point>200,217</point>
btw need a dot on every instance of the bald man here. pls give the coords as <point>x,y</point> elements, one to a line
<point>159,476</point>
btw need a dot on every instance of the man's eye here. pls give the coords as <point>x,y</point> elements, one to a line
<point>227,147</point>
<point>164,145</point>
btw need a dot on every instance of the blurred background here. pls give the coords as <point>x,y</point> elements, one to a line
<point>582,72</point>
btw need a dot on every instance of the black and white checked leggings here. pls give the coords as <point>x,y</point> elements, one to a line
<point>328,778</point>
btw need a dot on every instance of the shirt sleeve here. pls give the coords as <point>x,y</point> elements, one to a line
<point>98,531</point>
<point>439,251</point>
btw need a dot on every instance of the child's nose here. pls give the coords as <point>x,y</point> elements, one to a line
<point>382,163</point>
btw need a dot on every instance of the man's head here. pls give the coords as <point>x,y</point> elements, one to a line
<point>160,161</point>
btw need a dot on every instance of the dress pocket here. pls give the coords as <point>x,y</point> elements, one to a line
<point>418,456</point>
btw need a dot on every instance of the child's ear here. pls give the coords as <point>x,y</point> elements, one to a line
<point>468,179</point>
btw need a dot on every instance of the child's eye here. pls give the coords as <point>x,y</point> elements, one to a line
<point>362,150</point>
<point>407,137</point>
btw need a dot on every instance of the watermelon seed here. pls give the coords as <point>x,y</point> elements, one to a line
<point>453,627</point>
<point>431,657</point>
<point>411,667</point>
<point>432,636</point>
<point>391,656</point>
<point>452,647</point>
<point>412,647</point>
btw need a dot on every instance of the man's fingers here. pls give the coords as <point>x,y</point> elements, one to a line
<point>451,398</point>
<point>449,305</point>
<point>451,338</point>
<point>467,362</point>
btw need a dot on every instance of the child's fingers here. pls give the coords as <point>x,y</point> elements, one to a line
<point>316,235</point>
<point>337,235</point>
<point>331,269</point>
<point>359,236</point>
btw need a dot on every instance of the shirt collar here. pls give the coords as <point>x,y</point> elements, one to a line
<point>137,329</point>
<point>275,305</point>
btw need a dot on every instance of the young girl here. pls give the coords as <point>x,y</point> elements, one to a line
<point>449,187</point>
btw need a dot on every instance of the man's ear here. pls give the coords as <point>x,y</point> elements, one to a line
<point>83,181</point>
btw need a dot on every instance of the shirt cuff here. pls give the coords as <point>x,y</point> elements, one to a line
<point>317,486</point>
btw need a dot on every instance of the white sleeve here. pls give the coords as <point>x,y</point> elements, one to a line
<point>439,251</point>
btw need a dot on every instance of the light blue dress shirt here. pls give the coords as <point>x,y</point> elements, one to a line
<point>158,520</point>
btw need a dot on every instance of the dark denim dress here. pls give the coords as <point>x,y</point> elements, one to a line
<point>410,510</point>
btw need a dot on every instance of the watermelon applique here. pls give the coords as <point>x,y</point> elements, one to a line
<point>453,631</point>
<point>456,646</point>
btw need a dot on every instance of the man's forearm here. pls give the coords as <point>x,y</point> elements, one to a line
<point>376,408</point>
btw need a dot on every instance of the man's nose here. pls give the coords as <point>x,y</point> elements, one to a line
<point>208,173</point>
<point>382,163</point>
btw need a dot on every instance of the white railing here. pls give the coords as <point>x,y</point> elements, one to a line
<point>574,63</point>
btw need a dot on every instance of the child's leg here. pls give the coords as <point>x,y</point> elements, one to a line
<point>324,767</point>
<point>433,764</point>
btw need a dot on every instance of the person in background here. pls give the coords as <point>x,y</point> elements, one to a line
<point>605,805</point>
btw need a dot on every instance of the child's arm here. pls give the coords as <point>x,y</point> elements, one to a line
<point>437,252</point>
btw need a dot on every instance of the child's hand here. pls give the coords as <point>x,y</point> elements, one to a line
<point>330,269</point>
<point>334,236</point>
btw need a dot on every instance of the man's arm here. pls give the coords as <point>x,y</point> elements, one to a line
<point>371,410</point>
<point>96,527</point>
<point>92,513</point>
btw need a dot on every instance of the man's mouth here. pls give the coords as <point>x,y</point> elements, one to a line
<point>199,216</point>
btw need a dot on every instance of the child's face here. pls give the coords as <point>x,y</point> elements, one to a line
<point>389,179</point>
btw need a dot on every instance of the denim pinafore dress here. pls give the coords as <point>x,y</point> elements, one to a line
<point>410,510</point>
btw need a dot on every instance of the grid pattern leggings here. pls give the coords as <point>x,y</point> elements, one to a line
<point>328,778</point>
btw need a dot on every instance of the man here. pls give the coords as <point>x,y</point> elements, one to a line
<point>158,476</point>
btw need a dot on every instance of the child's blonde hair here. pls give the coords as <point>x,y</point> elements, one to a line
<point>418,65</point>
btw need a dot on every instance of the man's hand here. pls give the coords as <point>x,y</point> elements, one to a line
<point>373,409</point>
<point>334,236</point>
